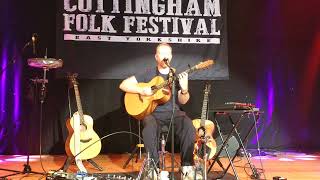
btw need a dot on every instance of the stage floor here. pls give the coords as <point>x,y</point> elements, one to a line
<point>290,165</point>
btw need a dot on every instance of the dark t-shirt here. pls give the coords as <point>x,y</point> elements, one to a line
<point>147,76</point>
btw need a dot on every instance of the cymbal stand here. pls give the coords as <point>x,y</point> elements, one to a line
<point>43,87</point>
<point>42,98</point>
<point>27,168</point>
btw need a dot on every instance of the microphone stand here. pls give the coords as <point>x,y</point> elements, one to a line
<point>13,61</point>
<point>173,84</point>
<point>8,65</point>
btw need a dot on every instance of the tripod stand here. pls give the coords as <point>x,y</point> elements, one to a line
<point>26,170</point>
<point>139,146</point>
<point>148,169</point>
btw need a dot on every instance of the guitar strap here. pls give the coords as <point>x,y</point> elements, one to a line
<point>157,71</point>
<point>168,76</point>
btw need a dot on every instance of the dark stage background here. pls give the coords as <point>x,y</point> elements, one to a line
<point>274,49</point>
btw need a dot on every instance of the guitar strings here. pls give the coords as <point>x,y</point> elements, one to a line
<point>69,103</point>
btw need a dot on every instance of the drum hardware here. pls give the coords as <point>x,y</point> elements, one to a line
<point>45,64</point>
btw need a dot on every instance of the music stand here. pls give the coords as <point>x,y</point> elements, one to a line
<point>255,174</point>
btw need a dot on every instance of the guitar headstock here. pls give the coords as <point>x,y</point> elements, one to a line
<point>205,64</point>
<point>73,78</point>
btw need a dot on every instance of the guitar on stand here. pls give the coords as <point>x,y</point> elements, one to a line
<point>81,134</point>
<point>205,146</point>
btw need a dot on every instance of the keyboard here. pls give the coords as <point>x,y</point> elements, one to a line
<point>235,106</point>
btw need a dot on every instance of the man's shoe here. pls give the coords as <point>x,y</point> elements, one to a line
<point>189,173</point>
<point>164,175</point>
<point>151,175</point>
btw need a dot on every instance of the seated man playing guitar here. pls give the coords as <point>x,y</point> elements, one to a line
<point>161,112</point>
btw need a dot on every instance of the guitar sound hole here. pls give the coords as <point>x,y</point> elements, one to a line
<point>83,127</point>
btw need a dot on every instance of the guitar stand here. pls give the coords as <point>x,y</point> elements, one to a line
<point>70,160</point>
<point>203,167</point>
<point>255,174</point>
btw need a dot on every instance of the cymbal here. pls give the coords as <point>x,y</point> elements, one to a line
<point>46,63</point>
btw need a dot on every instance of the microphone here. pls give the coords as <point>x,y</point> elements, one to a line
<point>166,61</point>
<point>34,39</point>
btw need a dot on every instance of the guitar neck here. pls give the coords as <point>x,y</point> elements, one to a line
<point>78,100</point>
<point>168,82</point>
<point>204,109</point>
<point>205,105</point>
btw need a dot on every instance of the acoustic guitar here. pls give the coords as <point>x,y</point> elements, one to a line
<point>81,132</point>
<point>205,129</point>
<point>140,106</point>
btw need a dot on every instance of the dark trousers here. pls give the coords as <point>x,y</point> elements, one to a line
<point>184,130</point>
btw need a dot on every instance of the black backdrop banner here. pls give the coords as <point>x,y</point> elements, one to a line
<point>114,39</point>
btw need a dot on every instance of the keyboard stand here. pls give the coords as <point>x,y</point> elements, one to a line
<point>217,157</point>
<point>255,174</point>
